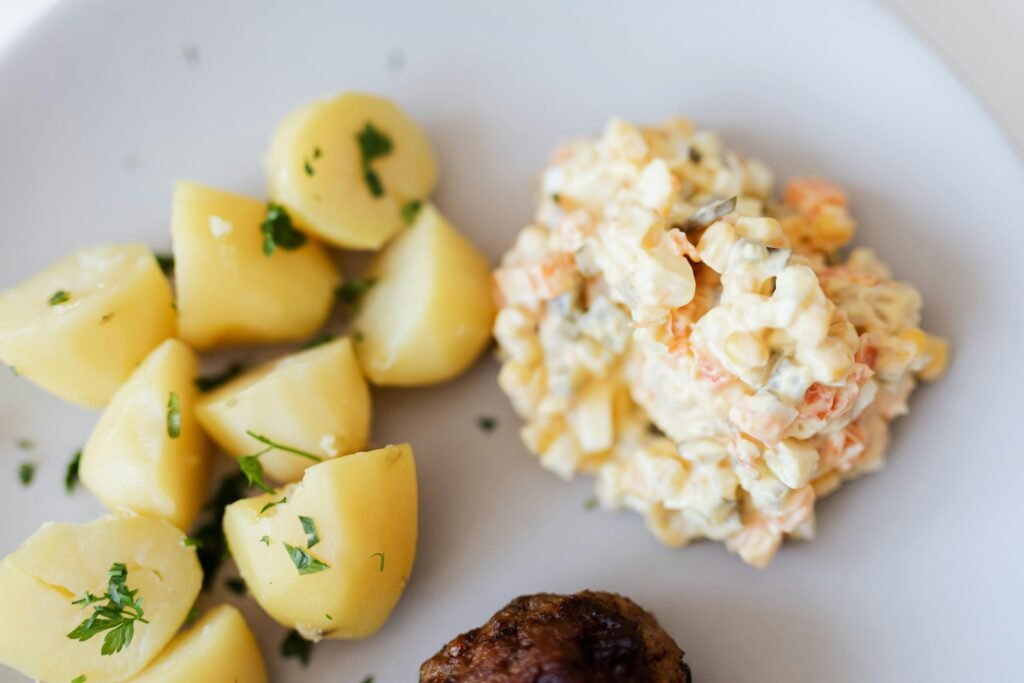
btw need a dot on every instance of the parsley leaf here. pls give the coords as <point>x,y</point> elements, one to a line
<point>590,503</point>
<point>372,145</point>
<point>253,471</point>
<point>486,423</point>
<point>265,540</point>
<point>307,167</point>
<point>278,230</point>
<point>71,474</point>
<point>59,297</point>
<point>309,526</point>
<point>79,679</point>
<point>273,503</point>
<point>193,614</point>
<point>368,679</point>
<point>351,290</point>
<point>410,210</point>
<point>24,444</point>
<point>26,472</point>
<point>211,382</point>
<point>166,263</point>
<point>296,646</point>
<point>236,585</point>
<point>303,561</point>
<point>381,560</point>
<point>173,416</point>
<point>117,615</point>
<point>190,542</point>
<point>273,445</point>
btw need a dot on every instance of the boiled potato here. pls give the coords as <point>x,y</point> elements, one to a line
<point>80,327</point>
<point>132,461</point>
<point>317,168</point>
<point>231,292</point>
<point>219,648</point>
<point>362,512</point>
<point>315,400</point>
<point>60,562</point>
<point>429,314</point>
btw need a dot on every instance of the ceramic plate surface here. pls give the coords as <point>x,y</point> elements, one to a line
<point>916,572</point>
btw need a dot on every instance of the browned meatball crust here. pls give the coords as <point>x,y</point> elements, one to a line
<point>583,638</point>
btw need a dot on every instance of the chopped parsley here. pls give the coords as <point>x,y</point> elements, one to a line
<point>309,527</point>
<point>192,615</point>
<point>381,555</point>
<point>59,297</point>
<point>317,153</point>
<point>71,473</point>
<point>265,540</point>
<point>297,647</point>
<point>253,469</point>
<point>212,547</point>
<point>166,263</point>
<point>173,416</point>
<point>107,317</point>
<point>368,679</point>
<point>14,370</point>
<point>236,585</point>
<point>115,612</point>
<point>79,679</point>
<point>307,167</point>
<point>190,542</point>
<point>273,504</point>
<point>486,423</point>
<point>208,383</point>
<point>373,144</point>
<point>26,473</point>
<point>24,444</point>
<point>319,340</point>
<point>278,231</point>
<point>590,503</point>
<point>329,617</point>
<point>303,561</point>
<point>410,210</point>
<point>351,291</point>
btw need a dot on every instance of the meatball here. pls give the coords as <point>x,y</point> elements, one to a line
<point>586,637</point>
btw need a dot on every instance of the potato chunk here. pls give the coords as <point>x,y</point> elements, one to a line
<point>219,648</point>
<point>429,314</point>
<point>229,291</point>
<point>340,574</point>
<point>80,327</point>
<point>60,562</point>
<point>132,461</point>
<point>315,400</point>
<point>346,167</point>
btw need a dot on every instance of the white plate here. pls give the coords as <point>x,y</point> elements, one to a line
<point>916,573</point>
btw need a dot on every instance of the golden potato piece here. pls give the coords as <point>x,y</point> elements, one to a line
<point>219,648</point>
<point>60,562</point>
<point>430,312</point>
<point>314,400</point>
<point>132,461</point>
<point>339,574</point>
<point>80,327</point>
<point>230,291</point>
<point>346,167</point>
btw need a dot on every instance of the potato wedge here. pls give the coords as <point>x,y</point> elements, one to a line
<point>317,168</point>
<point>363,513</point>
<point>219,648</point>
<point>315,400</point>
<point>132,461</point>
<point>229,291</point>
<point>80,327</point>
<point>430,312</point>
<point>60,562</point>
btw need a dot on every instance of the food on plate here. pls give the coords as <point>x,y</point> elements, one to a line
<point>702,348</point>
<point>428,314</point>
<point>132,573</point>
<point>244,274</point>
<point>147,453</point>
<point>315,400</point>
<point>80,327</point>
<point>330,555</point>
<point>588,637</point>
<point>219,648</point>
<point>348,169</point>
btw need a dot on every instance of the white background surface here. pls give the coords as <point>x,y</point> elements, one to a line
<point>915,574</point>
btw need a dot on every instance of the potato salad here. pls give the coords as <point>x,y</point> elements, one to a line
<point>700,345</point>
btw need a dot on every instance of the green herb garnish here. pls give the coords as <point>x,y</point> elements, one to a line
<point>297,647</point>
<point>278,230</point>
<point>265,540</point>
<point>303,561</point>
<point>590,503</point>
<point>24,444</point>
<point>210,382</point>
<point>236,585</point>
<point>173,416</point>
<point>115,612</point>
<point>71,473</point>
<point>26,472</point>
<point>166,263</point>
<point>350,291</point>
<point>329,617</point>
<point>307,167</point>
<point>309,527</point>
<point>190,542</point>
<point>192,615</point>
<point>273,504</point>
<point>486,423</point>
<point>59,297</point>
<point>381,560</point>
<point>410,210</point>
<point>373,144</point>
<point>368,679</point>
<point>78,679</point>
<point>253,469</point>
